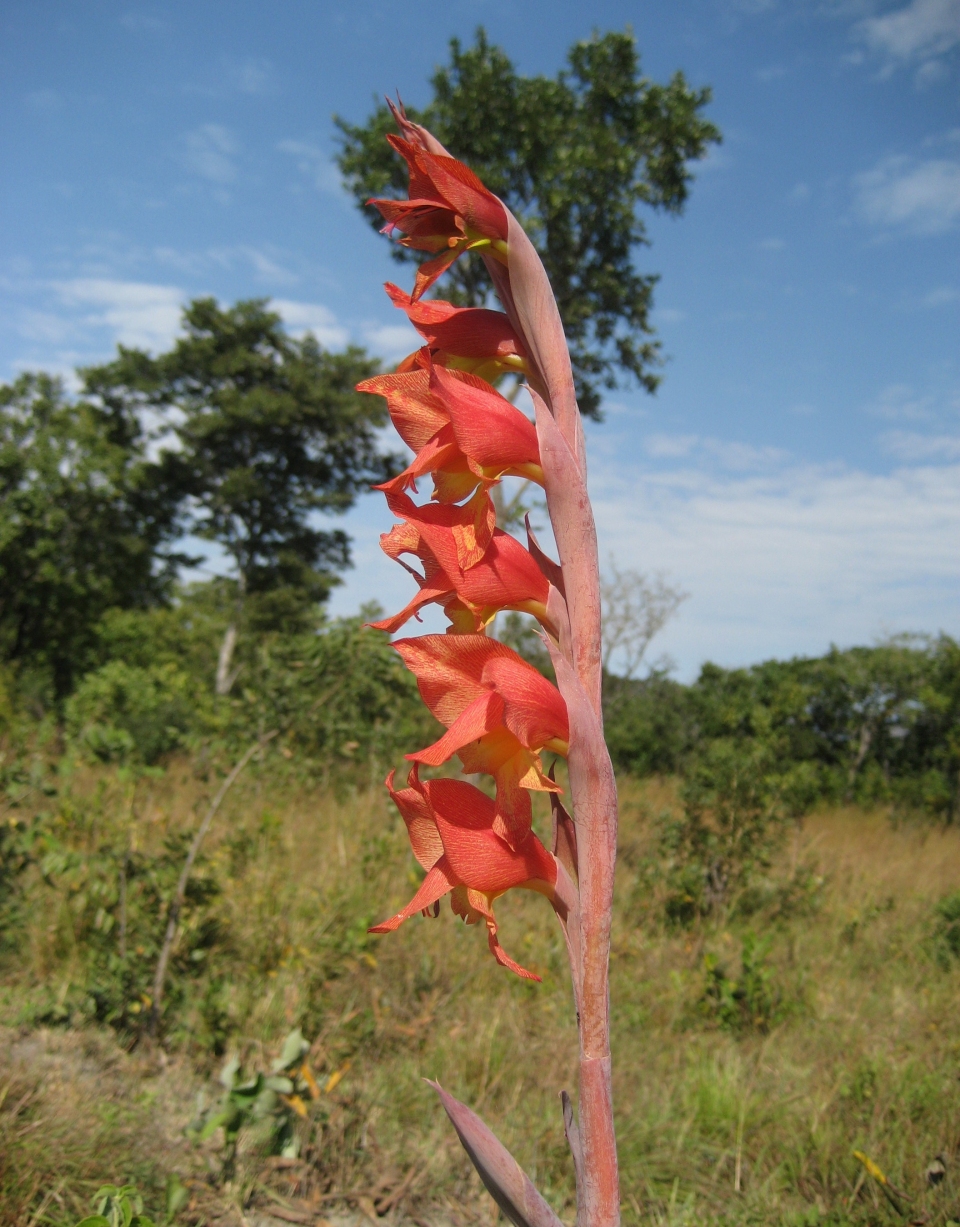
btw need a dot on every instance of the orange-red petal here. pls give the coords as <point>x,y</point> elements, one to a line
<point>434,886</point>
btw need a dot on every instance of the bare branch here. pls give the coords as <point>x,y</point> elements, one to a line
<point>636,608</point>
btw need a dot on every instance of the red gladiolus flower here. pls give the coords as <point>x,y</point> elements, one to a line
<point>449,211</point>
<point>452,829</point>
<point>470,568</point>
<point>499,712</point>
<point>464,433</point>
<point>461,338</point>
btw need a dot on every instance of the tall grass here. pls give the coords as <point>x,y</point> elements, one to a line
<point>845,1033</point>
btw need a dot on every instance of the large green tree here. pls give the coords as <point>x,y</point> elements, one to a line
<point>268,432</point>
<point>574,156</point>
<point>86,522</point>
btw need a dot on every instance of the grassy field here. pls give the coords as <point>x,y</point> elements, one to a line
<point>752,1056</point>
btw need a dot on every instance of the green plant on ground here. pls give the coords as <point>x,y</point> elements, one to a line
<point>869,1061</point>
<point>267,1105</point>
<point>946,928</point>
<point>117,1205</point>
<point>751,1000</point>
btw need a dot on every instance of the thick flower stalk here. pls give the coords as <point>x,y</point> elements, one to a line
<point>502,718</point>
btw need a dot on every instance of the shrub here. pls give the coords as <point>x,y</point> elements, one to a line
<point>733,823</point>
<point>749,1001</point>
<point>132,713</point>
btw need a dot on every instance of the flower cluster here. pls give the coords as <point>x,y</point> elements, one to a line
<point>500,713</point>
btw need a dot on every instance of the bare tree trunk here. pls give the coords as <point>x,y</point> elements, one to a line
<point>225,678</point>
<point>863,749</point>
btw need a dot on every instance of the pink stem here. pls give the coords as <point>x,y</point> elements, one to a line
<point>524,290</point>
<point>594,797</point>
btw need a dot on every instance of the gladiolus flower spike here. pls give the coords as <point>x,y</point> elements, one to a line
<point>501,715</point>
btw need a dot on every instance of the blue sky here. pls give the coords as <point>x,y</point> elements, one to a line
<point>798,473</point>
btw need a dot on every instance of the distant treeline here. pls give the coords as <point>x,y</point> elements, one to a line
<point>103,652</point>
<point>866,724</point>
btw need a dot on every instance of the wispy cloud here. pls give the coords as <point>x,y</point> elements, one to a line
<point>315,163</point>
<point>942,296</point>
<point>266,263</point>
<point>920,196</point>
<point>776,564</point>
<point>209,151</point>
<point>303,317</point>
<point>920,31</point>
<point>390,341</point>
<point>912,447</point>
<point>251,76</point>
<point>899,402</point>
<point>228,77</point>
<point>133,313</point>
<point>788,562</point>
<point>731,455</point>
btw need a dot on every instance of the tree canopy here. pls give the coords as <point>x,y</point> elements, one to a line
<point>267,430</point>
<point>239,435</point>
<point>86,522</point>
<point>574,156</point>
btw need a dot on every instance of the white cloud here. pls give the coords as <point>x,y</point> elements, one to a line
<point>940,297</point>
<point>898,402</point>
<point>229,76</point>
<point>670,447</point>
<point>251,76</point>
<point>912,447</point>
<point>730,455</point>
<point>391,342</point>
<point>303,317</point>
<point>208,151</point>
<point>920,30</point>
<point>922,196</point>
<point>772,244</point>
<point>267,268</point>
<point>317,165</point>
<point>46,327</point>
<point>136,314</point>
<point>786,563</point>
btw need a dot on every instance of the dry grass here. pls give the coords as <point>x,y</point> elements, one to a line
<point>712,1125</point>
